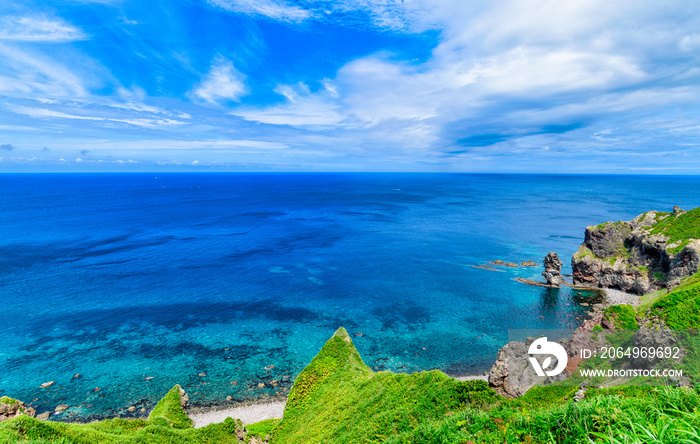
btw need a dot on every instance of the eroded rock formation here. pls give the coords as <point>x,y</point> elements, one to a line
<point>652,251</point>
<point>552,269</point>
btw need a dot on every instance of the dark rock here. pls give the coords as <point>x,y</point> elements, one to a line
<point>677,209</point>
<point>512,374</point>
<point>627,256</point>
<point>685,263</point>
<point>607,239</point>
<point>552,269</point>
<point>607,324</point>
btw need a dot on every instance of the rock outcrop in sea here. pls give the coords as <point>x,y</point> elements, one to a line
<point>552,269</point>
<point>652,251</point>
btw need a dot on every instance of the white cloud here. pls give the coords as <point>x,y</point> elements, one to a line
<point>38,29</point>
<point>518,66</point>
<point>302,108</point>
<point>46,113</point>
<point>269,8</point>
<point>223,83</point>
<point>37,73</point>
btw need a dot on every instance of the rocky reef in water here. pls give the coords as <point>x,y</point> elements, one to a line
<point>652,251</point>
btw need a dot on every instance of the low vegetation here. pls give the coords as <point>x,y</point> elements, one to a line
<point>679,228</point>
<point>337,398</point>
<point>168,423</point>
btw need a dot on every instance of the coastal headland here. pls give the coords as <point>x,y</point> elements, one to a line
<point>649,268</point>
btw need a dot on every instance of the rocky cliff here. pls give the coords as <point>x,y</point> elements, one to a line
<point>652,251</point>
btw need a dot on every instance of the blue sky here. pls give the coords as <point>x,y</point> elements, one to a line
<point>576,86</point>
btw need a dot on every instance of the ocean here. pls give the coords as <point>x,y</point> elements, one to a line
<point>229,284</point>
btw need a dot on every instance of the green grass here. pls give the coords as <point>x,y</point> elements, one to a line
<point>262,428</point>
<point>169,410</point>
<point>8,401</point>
<point>168,423</point>
<point>680,308</point>
<point>583,251</point>
<point>679,228</point>
<point>665,415</point>
<point>622,317</point>
<point>338,399</point>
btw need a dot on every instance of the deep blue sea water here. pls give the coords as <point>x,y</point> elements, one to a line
<point>123,277</point>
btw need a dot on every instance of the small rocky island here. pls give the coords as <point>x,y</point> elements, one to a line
<point>652,251</point>
<point>552,269</point>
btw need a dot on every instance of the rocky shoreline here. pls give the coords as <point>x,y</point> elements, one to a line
<point>624,260</point>
<point>638,256</point>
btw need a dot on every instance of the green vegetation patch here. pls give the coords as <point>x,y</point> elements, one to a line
<point>583,251</point>
<point>338,399</point>
<point>169,409</point>
<point>680,308</point>
<point>622,317</point>
<point>168,424</point>
<point>664,415</point>
<point>8,401</point>
<point>679,228</point>
<point>262,429</point>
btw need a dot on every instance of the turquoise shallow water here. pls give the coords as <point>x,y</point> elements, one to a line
<point>126,277</point>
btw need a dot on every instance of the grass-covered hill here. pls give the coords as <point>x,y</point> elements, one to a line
<point>167,423</point>
<point>338,399</point>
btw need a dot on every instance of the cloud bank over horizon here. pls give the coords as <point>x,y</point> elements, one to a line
<point>354,85</point>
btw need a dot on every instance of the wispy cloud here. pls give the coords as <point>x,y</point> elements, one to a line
<point>268,8</point>
<point>302,108</point>
<point>38,29</point>
<point>37,73</point>
<point>223,83</point>
<point>51,114</point>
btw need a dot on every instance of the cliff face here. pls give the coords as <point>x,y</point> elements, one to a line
<point>652,251</point>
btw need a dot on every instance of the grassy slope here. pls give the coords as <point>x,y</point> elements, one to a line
<point>679,228</point>
<point>660,416</point>
<point>168,423</point>
<point>338,399</point>
<point>342,401</point>
<point>680,308</point>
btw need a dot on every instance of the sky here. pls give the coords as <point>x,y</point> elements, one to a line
<point>532,86</point>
